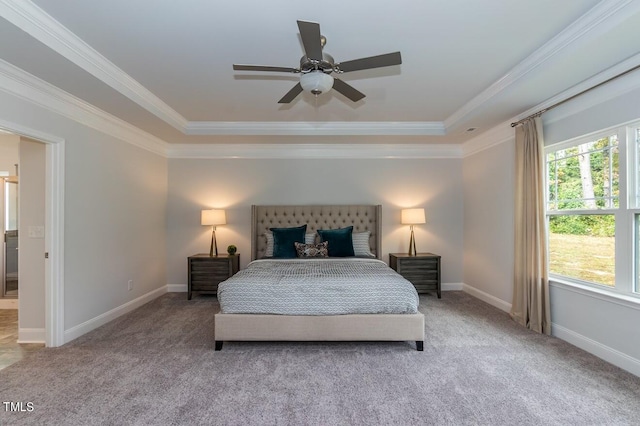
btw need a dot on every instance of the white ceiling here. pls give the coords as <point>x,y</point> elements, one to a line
<point>165,65</point>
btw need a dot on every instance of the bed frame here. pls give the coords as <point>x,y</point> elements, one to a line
<point>357,327</point>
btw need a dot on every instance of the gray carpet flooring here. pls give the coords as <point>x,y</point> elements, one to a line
<point>157,366</point>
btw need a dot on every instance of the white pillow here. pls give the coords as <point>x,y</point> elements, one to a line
<point>308,239</point>
<point>269,250</point>
<point>361,244</point>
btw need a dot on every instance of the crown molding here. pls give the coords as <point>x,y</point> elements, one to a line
<point>314,151</point>
<point>18,82</point>
<point>504,132</point>
<point>331,128</point>
<point>495,136</point>
<point>17,129</point>
<point>599,19</point>
<point>614,88</point>
<point>30,18</point>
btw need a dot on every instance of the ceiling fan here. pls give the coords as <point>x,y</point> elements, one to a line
<point>316,67</point>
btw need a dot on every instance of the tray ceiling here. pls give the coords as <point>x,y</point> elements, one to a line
<point>165,66</point>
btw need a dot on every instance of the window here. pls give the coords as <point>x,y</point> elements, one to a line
<point>591,220</point>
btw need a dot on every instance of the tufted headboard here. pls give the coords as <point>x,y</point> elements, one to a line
<point>362,217</point>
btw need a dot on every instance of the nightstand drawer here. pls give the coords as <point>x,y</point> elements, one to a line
<point>431,279</point>
<point>211,268</point>
<point>426,288</point>
<point>205,286</point>
<point>418,265</point>
<point>208,283</point>
<point>419,274</point>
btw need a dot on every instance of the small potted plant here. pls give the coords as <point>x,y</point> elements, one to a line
<point>232,250</point>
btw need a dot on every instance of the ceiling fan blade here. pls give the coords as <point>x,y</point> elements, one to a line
<point>311,39</point>
<point>371,62</point>
<point>347,90</point>
<point>291,94</point>
<point>264,68</point>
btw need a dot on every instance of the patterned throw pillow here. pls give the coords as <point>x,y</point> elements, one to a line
<point>312,250</point>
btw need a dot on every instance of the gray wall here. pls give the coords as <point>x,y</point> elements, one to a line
<point>236,184</point>
<point>488,222</point>
<point>9,152</point>
<point>115,207</point>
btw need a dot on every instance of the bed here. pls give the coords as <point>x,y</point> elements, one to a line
<point>239,325</point>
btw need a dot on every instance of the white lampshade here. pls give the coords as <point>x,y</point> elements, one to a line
<point>412,216</point>
<point>213,217</point>
<point>316,82</point>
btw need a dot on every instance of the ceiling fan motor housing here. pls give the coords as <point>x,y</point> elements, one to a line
<point>325,65</point>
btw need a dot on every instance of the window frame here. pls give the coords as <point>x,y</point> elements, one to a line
<point>633,177</point>
<point>626,251</point>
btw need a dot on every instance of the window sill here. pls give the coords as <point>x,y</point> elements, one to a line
<point>608,296</point>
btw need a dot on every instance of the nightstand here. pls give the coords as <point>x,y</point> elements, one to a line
<point>206,272</point>
<point>423,270</point>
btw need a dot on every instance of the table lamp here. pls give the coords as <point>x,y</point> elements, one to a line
<point>213,217</point>
<point>412,217</point>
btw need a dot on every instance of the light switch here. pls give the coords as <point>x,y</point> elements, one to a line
<point>35,231</point>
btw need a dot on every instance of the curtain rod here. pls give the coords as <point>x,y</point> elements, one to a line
<point>542,111</point>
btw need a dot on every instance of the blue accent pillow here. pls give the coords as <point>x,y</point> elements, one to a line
<point>340,241</point>
<point>284,239</point>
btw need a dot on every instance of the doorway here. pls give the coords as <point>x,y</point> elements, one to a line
<point>9,159</point>
<point>9,231</point>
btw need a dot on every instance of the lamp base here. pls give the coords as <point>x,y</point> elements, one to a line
<point>214,244</point>
<point>412,244</point>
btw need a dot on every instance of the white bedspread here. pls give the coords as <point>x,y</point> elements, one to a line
<point>332,286</point>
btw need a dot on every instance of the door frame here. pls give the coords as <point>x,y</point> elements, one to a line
<point>54,229</point>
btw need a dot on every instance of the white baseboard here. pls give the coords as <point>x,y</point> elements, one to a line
<point>92,324</point>
<point>486,297</point>
<point>31,335</point>
<point>8,303</point>
<point>452,286</point>
<point>611,355</point>
<point>177,288</point>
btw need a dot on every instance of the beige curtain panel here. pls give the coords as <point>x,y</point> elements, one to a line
<point>530,306</point>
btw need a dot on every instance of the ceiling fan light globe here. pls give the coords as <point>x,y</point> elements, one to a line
<point>316,82</point>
